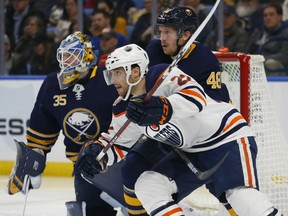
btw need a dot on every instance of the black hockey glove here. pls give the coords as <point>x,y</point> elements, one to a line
<point>86,163</point>
<point>156,111</point>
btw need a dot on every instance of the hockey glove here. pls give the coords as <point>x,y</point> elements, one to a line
<point>29,164</point>
<point>156,111</point>
<point>86,163</point>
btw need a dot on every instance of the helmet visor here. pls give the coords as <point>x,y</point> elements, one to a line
<point>162,32</point>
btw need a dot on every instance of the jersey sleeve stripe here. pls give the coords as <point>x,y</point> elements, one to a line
<point>194,94</point>
<point>220,138</point>
<point>223,123</point>
<point>193,100</point>
<point>35,145</point>
<point>233,122</point>
<point>32,131</point>
<point>44,142</point>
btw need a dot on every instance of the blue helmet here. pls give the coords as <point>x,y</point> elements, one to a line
<point>181,18</point>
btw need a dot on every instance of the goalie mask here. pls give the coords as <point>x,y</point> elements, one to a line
<point>75,56</point>
<point>180,18</point>
<point>126,57</point>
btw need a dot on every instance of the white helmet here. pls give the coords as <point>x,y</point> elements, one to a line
<point>125,57</point>
<point>75,56</point>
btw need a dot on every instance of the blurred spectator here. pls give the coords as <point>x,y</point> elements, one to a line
<point>100,20</point>
<point>235,36</point>
<point>44,6</point>
<point>272,41</point>
<point>285,10</point>
<point>202,11</point>
<point>142,32</point>
<point>32,26</point>
<point>7,54</point>
<point>108,43</point>
<point>42,59</point>
<point>118,23</point>
<point>56,14</point>
<point>250,12</point>
<point>70,14</point>
<point>15,16</point>
<point>123,7</point>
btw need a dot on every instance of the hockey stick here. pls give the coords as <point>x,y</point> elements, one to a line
<point>26,189</point>
<point>158,83</point>
<point>200,175</point>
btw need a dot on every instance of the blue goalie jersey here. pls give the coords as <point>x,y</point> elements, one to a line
<point>82,112</point>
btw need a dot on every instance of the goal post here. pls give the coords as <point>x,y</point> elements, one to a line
<point>245,78</point>
<point>246,81</point>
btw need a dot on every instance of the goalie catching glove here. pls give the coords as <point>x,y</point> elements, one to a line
<point>28,167</point>
<point>86,163</point>
<point>156,111</point>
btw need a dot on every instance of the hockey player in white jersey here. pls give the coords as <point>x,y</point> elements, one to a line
<point>179,114</point>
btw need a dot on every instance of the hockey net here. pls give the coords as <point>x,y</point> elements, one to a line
<point>245,78</point>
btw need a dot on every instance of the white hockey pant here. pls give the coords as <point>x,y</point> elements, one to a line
<point>249,202</point>
<point>154,190</point>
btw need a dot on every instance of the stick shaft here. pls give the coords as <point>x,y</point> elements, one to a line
<point>158,83</point>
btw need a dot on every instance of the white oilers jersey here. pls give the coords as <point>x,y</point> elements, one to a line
<point>198,123</point>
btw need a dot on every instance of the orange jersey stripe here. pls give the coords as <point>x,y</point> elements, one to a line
<point>234,120</point>
<point>120,114</point>
<point>178,209</point>
<point>119,151</point>
<point>193,93</point>
<point>248,165</point>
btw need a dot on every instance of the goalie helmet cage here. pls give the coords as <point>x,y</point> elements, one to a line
<point>245,78</point>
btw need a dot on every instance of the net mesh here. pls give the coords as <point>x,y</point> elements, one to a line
<point>272,160</point>
<point>272,147</point>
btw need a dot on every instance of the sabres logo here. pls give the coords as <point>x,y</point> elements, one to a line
<point>81,124</point>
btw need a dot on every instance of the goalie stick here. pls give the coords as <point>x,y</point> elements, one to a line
<point>154,88</point>
<point>26,194</point>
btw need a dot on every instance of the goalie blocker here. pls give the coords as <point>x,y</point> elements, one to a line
<point>29,164</point>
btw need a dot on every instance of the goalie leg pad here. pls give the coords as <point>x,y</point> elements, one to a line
<point>30,163</point>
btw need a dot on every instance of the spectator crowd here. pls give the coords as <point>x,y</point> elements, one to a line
<point>35,28</point>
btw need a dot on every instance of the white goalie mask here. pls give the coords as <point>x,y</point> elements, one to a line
<point>75,56</point>
<point>125,57</point>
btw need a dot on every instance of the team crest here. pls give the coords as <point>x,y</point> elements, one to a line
<point>167,133</point>
<point>80,124</point>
